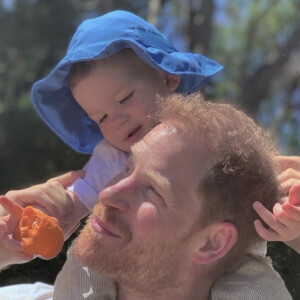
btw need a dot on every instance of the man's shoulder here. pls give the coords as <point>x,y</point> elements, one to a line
<point>253,279</point>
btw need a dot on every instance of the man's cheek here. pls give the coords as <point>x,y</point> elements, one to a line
<point>84,244</point>
<point>147,219</point>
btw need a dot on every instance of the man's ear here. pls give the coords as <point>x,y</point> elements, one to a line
<point>215,242</point>
<point>172,82</point>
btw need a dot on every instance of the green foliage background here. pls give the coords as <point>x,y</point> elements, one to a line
<point>253,39</point>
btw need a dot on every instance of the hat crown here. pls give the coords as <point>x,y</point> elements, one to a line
<point>111,26</point>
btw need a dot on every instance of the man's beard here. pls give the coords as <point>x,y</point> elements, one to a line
<point>135,264</point>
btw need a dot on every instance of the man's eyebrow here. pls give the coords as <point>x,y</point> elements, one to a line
<point>160,180</point>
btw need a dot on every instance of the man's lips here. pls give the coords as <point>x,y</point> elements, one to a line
<point>102,228</point>
<point>133,134</point>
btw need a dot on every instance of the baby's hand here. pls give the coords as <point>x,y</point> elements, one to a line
<point>284,222</point>
<point>51,196</point>
<point>288,168</point>
<point>11,250</point>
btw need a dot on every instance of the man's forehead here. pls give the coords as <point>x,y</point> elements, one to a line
<point>166,128</point>
<point>157,136</point>
<point>173,149</point>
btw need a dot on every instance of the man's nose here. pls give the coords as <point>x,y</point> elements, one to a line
<point>119,195</point>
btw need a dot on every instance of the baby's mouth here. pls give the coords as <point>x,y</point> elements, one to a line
<point>134,131</point>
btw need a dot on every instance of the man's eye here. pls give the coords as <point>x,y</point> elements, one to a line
<point>127,169</point>
<point>102,119</point>
<point>153,190</point>
<point>126,98</point>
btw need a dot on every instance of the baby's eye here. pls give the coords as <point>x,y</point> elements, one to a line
<point>102,119</point>
<point>126,98</point>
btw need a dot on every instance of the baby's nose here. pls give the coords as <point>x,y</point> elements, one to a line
<point>120,119</point>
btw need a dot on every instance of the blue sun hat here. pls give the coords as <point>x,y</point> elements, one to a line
<point>98,38</point>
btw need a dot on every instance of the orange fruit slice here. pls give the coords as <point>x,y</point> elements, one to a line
<point>40,233</point>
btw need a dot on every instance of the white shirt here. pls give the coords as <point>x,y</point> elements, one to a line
<point>105,163</point>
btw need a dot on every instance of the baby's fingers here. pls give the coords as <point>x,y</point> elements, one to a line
<point>3,228</point>
<point>16,252</point>
<point>16,248</point>
<point>268,217</point>
<point>266,234</point>
<point>294,194</point>
<point>11,207</point>
<point>15,213</point>
<point>292,211</point>
<point>286,185</point>
<point>34,195</point>
<point>10,243</point>
<point>283,217</point>
<point>68,178</point>
<point>63,202</point>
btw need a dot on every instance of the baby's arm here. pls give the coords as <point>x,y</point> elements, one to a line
<point>284,222</point>
<point>104,164</point>
<point>10,249</point>
<point>79,212</point>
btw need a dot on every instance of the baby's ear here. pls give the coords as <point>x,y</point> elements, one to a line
<point>215,242</point>
<point>172,82</point>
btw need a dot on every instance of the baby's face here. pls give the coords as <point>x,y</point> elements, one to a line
<point>120,94</point>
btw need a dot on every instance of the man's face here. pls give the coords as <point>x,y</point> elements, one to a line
<point>119,95</point>
<point>141,232</point>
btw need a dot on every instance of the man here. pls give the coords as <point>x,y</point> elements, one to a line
<point>177,223</point>
<point>178,218</point>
